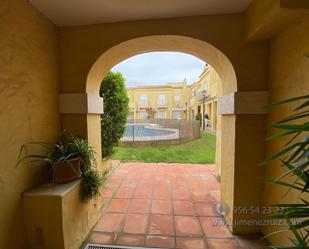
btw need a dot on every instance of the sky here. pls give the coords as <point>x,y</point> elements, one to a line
<point>159,68</point>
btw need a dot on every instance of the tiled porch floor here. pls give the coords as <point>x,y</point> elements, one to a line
<point>164,206</point>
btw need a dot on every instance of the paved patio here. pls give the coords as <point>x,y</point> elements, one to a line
<point>165,206</point>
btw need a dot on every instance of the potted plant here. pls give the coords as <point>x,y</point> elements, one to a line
<point>68,159</point>
<point>71,157</point>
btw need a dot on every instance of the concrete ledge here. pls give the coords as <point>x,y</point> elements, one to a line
<point>243,103</point>
<point>80,103</point>
<point>55,217</point>
<point>52,190</point>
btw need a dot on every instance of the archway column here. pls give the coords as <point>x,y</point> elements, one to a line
<point>243,127</point>
<point>81,115</point>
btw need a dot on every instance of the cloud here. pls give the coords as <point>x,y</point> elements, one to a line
<point>159,68</point>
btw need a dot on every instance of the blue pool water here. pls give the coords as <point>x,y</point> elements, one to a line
<point>145,131</point>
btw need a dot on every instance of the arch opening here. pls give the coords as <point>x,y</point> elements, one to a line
<point>169,43</point>
<point>226,132</point>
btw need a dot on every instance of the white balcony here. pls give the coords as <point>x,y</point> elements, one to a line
<point>143,104</point>
<point>162,102</point>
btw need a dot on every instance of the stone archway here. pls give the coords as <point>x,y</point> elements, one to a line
<point>198,48</point>
<point>239,112</point>
<point>201,49</point>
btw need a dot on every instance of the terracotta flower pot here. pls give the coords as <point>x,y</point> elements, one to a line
<point>67,171</point>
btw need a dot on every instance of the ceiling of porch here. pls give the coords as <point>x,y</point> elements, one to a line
<point>83,12</point>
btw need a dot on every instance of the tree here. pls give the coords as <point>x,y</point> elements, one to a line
<point>113,120</point>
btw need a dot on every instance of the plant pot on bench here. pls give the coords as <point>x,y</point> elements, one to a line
<point>67,171</point>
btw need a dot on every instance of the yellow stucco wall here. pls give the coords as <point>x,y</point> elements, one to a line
<point>289,77</point>
<point>75,65</point>
<point>40,229</point>
<point>28,106</point>
<point>87,54</point>
<point>78,218</point>
<point>265,19</point>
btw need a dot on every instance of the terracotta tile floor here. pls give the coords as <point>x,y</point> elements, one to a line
<point>165,206</point>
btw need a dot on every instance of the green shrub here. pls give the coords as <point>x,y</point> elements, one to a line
<point>91,185</point>
<point>113,120</point>
<point>198,117</point>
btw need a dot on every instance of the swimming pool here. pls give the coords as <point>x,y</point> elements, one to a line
<point>148,133</point>
<point>146,130</point>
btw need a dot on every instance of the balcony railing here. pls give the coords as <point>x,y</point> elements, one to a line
<point>143,103</point>
<point>162,103</point>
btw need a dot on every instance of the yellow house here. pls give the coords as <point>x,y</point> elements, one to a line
<point>204,98</point>
<point>159,101</point>
<point>178,100</point>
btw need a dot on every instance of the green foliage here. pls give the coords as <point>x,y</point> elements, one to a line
<point>202,150</point>
<point>295,160</point>
<point>91,185</point>
<point>198,117</point>
<point>113,120</point>
<point>70,147</point>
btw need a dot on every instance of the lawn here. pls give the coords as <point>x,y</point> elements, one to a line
<point>202,150</point>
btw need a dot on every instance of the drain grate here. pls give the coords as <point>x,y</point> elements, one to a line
<point>96,246</point>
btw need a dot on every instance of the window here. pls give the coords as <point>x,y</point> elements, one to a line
<point>143,101</point>
<point>162,100</point>
<point>205,86</point>
<point>143,115</point>
<point>161,114</point>
<point>177,98</point>
<point>176,115</point>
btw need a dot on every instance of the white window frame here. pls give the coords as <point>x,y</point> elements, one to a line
<point>205,86</point>
<point>161,112</point>
<point>177,97</point>
<point>143,100</point>
<point>162,99</point>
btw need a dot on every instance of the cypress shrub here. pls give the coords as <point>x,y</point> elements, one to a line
<point>113,120</point>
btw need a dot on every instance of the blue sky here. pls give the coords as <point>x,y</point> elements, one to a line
<point>159,68</point>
